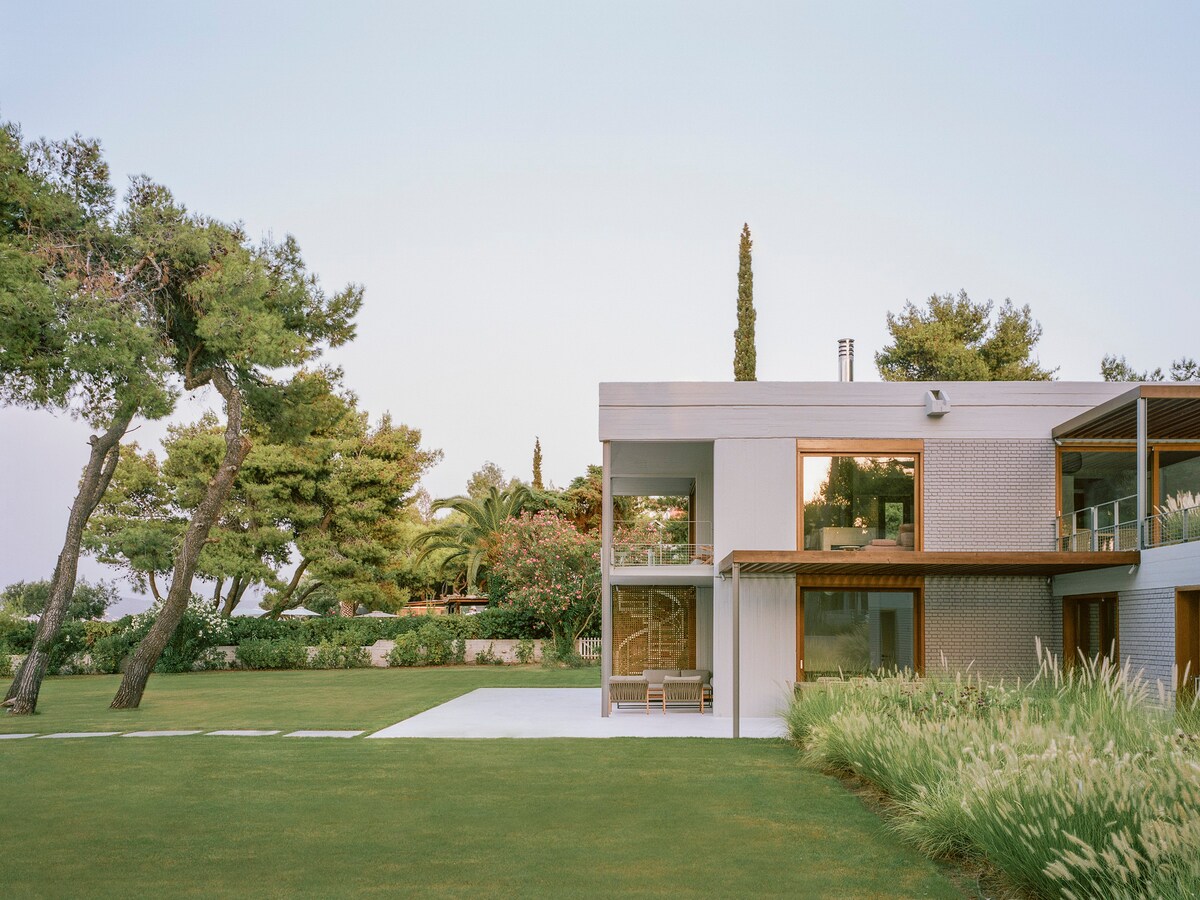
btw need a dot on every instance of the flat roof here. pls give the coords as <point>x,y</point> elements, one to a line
<point>1172,413</point>
<point>909,562</point>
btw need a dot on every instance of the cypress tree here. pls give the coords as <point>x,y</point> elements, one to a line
<point>744,357</point>
<point>537,465</point>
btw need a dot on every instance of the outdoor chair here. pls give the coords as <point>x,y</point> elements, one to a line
<point>683,689</point>
<point>628,689</point>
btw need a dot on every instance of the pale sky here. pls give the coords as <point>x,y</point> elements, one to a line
<point>542,196</point>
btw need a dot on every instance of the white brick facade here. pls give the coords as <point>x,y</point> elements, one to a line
<point>989,494</point>
<point>1146,625</point>
<point>990,624</point>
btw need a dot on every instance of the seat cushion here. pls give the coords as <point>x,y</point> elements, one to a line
<point>655,676</point>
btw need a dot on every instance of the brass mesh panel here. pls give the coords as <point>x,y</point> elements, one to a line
<point>653,628</point>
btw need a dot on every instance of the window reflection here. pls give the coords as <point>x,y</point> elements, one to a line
<point>859,502</point>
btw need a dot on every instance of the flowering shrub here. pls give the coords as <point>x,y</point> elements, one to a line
<point>551,570</point>
<point>200,628</point>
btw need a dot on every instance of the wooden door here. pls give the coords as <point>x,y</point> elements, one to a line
<point>1187,642</point>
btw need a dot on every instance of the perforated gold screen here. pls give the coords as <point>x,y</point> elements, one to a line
<point>653,628</point>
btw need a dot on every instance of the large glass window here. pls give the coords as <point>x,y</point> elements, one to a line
<point>1096,477</point>
<point>859,502</point>
<point>857,632</point>
<point>1178,480</point>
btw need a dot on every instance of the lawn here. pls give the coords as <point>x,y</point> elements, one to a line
<point>209,816</point>
<point>351,699</point>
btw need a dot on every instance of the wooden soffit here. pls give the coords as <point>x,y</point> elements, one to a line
<point>919,563</point>
<point>1172,413</point>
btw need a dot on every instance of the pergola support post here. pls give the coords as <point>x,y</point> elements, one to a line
<point>606,536</point>
<point>1142,467</point>
<point>737,650</point>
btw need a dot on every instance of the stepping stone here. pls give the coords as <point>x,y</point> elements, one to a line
<point>242,733</point>
<point>79,734</point>
<point>324,734</point>
<point>159,733</point>
<point>13,737</point>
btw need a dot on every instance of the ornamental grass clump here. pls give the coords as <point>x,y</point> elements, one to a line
<point>1075,785</point>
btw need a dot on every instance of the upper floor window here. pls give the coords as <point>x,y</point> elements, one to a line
<point>859,500</point>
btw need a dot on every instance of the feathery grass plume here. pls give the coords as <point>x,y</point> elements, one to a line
<point>1074,785</point>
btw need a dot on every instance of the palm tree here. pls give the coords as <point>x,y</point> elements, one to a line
<point>470,535</point>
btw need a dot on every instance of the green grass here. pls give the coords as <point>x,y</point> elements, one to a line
<point>202,816</point>
<point>366,699</point>
<point>206,816</point>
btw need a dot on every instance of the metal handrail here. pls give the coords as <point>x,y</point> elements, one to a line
<point>637,553</point>
<point>1082,529</point>
<point>1176,526</point>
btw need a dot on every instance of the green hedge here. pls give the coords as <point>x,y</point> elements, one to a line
<point>492,624</point>
<point>257,653</point>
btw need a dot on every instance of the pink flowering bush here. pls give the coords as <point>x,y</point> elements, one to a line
<point>551,570</point>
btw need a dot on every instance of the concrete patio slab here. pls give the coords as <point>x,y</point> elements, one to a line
<point>13,737</point>
<point>324,734</point>
<point>563,712</point>
<point>160,733</point>
<point>242,733</point>
<point>78,734</point>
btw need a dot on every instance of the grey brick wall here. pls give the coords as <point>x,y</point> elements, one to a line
<point>990,624</point>
<point>1146,624</point>
<point>989,495</point>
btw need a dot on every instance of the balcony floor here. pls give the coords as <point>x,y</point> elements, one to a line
<point>696,575</point>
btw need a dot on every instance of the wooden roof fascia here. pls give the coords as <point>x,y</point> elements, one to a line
<point>957,562</point>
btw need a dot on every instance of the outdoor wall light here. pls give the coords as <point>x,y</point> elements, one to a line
<point>937,403</point>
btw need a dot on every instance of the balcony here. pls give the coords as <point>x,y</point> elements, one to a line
<point>1114,526</point>
<point>672,542</point>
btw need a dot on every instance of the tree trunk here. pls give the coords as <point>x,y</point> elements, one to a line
<point>148,652</point>
<point>234,597</point>
<point>346,609</point>
<point>22,696</point>
<point>231,599</point>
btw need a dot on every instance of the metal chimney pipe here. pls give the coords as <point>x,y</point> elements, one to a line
<point>845,359</point>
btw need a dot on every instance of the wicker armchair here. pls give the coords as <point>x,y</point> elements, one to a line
<point>628,689</point>
<point>683,689</point>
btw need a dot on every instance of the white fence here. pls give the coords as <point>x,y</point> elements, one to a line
<point>588,648</point>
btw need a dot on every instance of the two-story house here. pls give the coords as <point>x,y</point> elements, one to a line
<point>846,527</point>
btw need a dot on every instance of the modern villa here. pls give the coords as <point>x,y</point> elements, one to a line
<point>840,528</point>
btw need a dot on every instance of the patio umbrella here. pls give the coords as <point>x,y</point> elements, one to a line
<point>299,612</point>
<point>378,615</point>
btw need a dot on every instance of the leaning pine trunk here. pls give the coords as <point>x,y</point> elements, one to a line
<point>148,652</point>
<point>22,696</point>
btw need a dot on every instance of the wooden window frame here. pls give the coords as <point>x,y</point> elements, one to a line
<point>1070,604</point>
<point>878,447</point>
<point>912,583</point>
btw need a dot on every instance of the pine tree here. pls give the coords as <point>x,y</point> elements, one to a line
<point>744,357</point>
<point>537,465</point>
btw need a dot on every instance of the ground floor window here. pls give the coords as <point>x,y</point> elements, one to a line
<point>858,631</point>
<point>653,628</point>
<point>1091,629</point>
